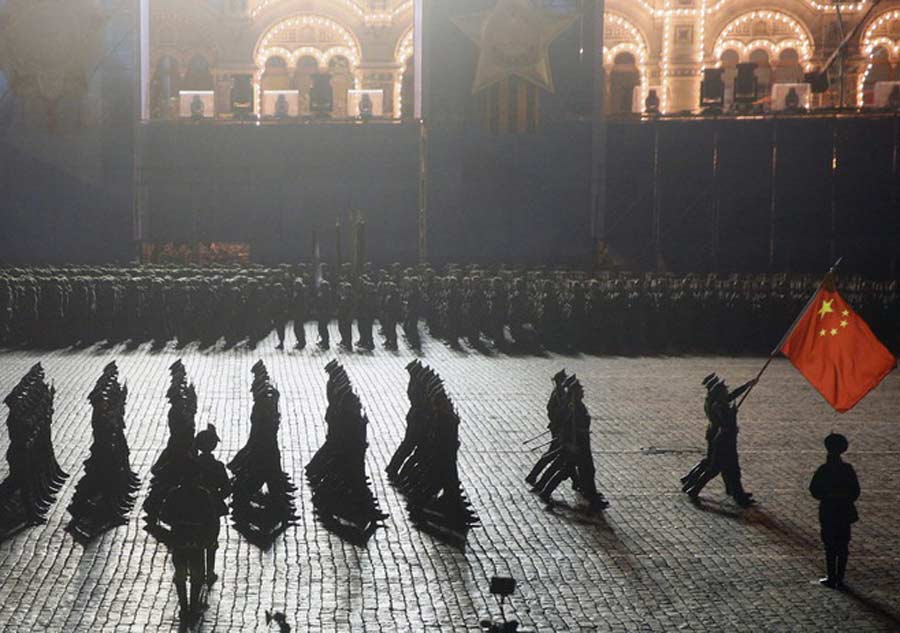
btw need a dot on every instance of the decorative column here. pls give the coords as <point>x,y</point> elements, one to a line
<point>680,64</point>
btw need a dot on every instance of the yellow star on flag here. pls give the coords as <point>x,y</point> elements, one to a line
<point>826,308</point>
<point>834,332</point>
<point>845,313</point>
<point>822,333</point>
<point>844,324</point>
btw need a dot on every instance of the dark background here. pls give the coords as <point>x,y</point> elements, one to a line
<point>68,195</point>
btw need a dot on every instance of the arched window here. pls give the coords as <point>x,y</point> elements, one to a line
<point>275,75</point>
<point>341,84</point>
<point>624,78</point>
<point>763,72</point>
<point>307,66</point>
<point>198,76</point>
<point>788,70</point>
<point>408,90</point>
<point>880,70</point>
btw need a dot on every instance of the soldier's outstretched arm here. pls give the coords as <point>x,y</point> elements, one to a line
<point>741,390</point>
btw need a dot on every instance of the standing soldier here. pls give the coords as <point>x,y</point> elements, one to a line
<point>836,487</point>
<point>280,302</point>
<point>324,308</point>
<point>453,311</point>
<point>390,315</point>
<point>413,312</point>
<point>298,312</point>
<point>498,312</point>
<point>365,313</point>
<point>345,314</point>
<point>520,314</point>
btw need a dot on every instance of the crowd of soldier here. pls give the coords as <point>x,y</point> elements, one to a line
<point>342,497</point>
<point>106,492</point>
<point>35,476</point>
<point>610,313</point>
<point>424,467</point>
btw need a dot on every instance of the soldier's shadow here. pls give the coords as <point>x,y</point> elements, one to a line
<point>887,615</point>
<point>758,516</point>
<point>578,514</point>
<point>718,508</point>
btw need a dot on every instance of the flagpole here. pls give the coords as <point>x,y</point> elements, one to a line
<point>790,330</point>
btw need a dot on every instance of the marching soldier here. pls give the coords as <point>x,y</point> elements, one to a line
<point>556,412</point>
<point>723,456</point>
<point>212,477</point>
<point>192,513</point>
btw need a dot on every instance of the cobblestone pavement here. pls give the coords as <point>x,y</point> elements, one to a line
<point>653,562</point>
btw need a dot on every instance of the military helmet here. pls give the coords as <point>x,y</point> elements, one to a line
<point>207,439</point>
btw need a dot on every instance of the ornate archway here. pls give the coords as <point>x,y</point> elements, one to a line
<point>621,38</point>
<point>880,39</point>
<point>770,31</point>
<point>306,36</point>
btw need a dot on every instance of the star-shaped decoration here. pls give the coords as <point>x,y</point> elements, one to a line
<point>844,323</point>
<point>845,313</point>
<point>834,332</point>
<point>514,38</point>
<point>822,332</point>
<point>826,308</point>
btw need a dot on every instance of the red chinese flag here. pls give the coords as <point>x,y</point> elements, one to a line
<point>836,351</point>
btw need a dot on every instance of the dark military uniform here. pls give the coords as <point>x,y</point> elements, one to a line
<point>836,487</point>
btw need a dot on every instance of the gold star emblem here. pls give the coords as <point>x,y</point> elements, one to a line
<point>826,308</point>
<point>844,323</point>
<point>845,313</point>
<point>514,38</point>
<point>834,332</point>
<point>822,332</point>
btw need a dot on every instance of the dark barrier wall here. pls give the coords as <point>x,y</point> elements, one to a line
<point>833,192</point>
<point>66,194</point>
<point>273,185</point>
<point>516,198</point>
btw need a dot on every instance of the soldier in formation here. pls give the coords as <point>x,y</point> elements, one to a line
<point>342,496</point>
<point>721,443</point>
<point>263,502</point>
<point>424,468</point>
<point>836,488</point>
<point>35,476</point>
<point>556,414</point>
<point>168,470</point>
<point>610,313</point>
<point>105,494</point>
<point>569,454</point>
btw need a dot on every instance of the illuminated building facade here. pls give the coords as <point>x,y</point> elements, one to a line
<point>314,49</point>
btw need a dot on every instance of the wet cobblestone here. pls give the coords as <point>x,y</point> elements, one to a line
<point>653,562</point>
